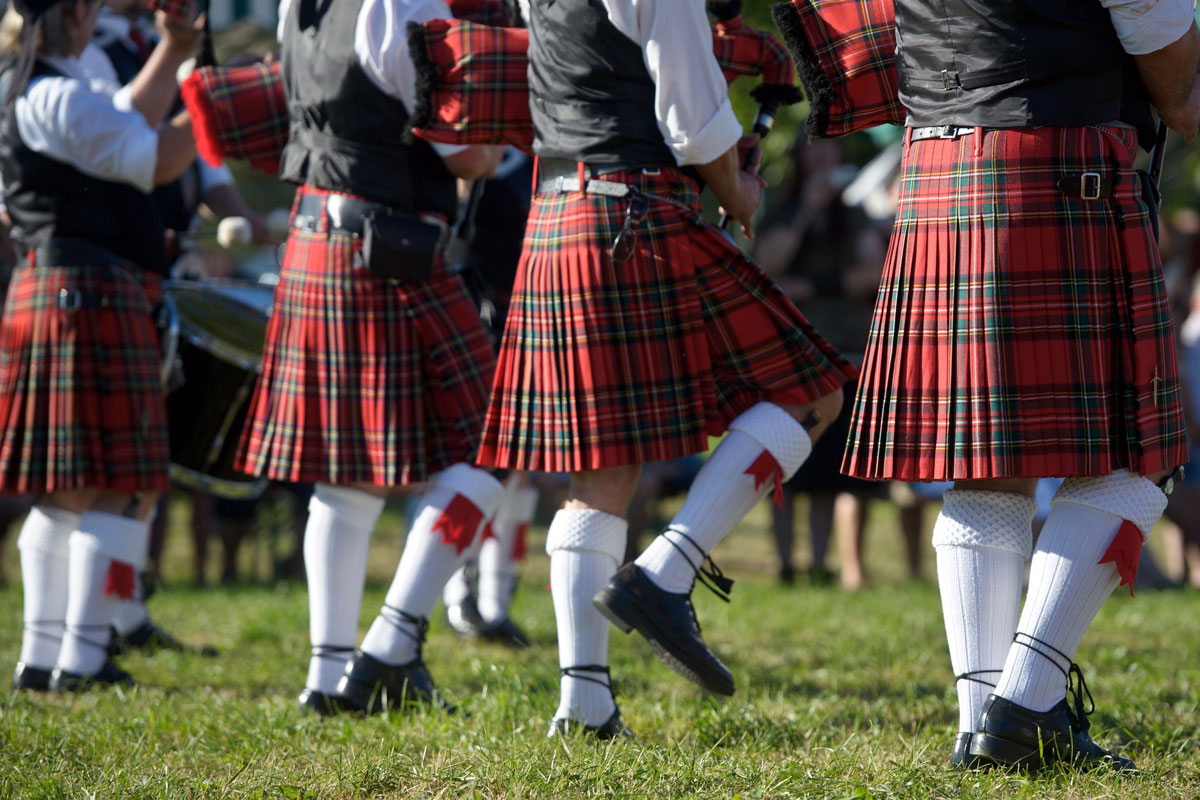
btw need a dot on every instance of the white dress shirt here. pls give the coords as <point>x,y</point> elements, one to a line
<point>691,97</point>
<point>87,122</point>
<point>381,45</point>
<point>1144,26</point>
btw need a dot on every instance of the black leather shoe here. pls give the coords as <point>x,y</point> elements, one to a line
<point>962,758</point>
<point>151,638</point>
<point>1012,735</point>
<point>668,622</point>
<point>468,623</point>
<point>109,675</point>
<point>613,728</point>
<point>322,704</point>
<point>370,685</point>
<point>33,679</point>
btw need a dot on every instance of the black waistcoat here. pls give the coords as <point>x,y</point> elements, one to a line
<point>590,94</point>
<point>47,198</point>
<point>1016,63</point>
<point>346,133</point>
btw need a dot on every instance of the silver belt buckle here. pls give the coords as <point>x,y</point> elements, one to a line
<point>948,132</point>
<point>1089,186</point>
<point>70,299</point>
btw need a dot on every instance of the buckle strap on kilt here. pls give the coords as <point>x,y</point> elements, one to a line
<point>939,132</point>
<point>339,214</point>
<point>1086,186</point>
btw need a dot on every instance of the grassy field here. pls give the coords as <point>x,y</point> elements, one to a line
<point>840,696</point>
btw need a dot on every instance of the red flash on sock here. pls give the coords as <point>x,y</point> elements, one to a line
<point>763,468</point>
<point>121,580</point>
<point>1124,552</point>
<point>458,523</point>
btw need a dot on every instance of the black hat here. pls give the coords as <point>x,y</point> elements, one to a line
<point>32,9</point>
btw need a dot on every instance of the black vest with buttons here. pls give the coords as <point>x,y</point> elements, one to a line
<point>590,95</point>
<point>50,199</point>
<point>1016,63</point>
<point>346,133</point>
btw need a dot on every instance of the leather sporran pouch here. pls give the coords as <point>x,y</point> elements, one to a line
<point>401,248</point>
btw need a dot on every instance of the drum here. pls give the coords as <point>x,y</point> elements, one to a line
<point>212,344</point>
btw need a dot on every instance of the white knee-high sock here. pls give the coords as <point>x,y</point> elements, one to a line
<point>763,445</point>
<point>458,588</point>
<point>107,551</point>
<point>1068,583</point>
<point>337,537</point>
<point>44,544</point>
<point>448,520</point>
<point>497,559</point>
<point>982,540</point>
<point>585,547</point>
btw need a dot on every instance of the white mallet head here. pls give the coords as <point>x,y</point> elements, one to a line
<point>234,232</point>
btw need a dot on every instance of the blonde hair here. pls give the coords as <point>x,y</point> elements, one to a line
<point>53,34</point>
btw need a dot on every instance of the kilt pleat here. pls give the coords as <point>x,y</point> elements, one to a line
<point>1018,331</point>
<point>363,381</point>
<point>81,401</point>
<point>604,364</point>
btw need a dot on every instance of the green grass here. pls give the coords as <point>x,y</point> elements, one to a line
<point>840,696</point>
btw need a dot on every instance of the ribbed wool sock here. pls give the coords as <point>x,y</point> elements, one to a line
<point>44,544</point>
<point>448,520</point>
<point>585,548</point>
<point>337,538</point>
<point>763,445</point>
<point>1067,582</point>
<point>982,540</point>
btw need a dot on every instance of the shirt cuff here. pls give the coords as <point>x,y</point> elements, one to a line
<point>139,160</point>
<point>212,177</point>
<point>444,150</point>
<point>1149,26</point>
<point>122,99</point>
<point>720,133</point>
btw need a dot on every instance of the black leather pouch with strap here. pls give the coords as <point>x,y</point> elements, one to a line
<point>401,247</point>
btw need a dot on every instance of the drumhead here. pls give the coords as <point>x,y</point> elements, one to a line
<point>217,322</point>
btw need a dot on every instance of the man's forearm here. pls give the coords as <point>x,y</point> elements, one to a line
<point>1169,75</point>
<point>721,175</point>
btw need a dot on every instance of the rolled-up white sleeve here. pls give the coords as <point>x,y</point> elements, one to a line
<point>691,99</point>
<point>63,119</point>
<point>1144,26</point>
<point>381,45</point>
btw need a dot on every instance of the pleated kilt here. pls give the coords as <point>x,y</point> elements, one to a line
<point>604,364</point>
<point>1019,331</point>
<point>81,403</point>
<point>362,380</point>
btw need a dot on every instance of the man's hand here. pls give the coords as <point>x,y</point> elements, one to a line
<point>737,189</point>
<point>181,36</point>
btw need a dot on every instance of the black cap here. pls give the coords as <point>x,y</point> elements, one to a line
<point>32,9</point>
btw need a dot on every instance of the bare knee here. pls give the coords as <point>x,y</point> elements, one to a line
<point>608,489</point>
<point>821,412</point>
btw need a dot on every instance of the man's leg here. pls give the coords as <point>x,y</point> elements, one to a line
<point>764,446</point>
<point>586,542</point>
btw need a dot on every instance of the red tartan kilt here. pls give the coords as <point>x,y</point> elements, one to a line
<point>1019,331</point>
<point>363,381</point>
<point>81,403</point>
<point>605,364</point>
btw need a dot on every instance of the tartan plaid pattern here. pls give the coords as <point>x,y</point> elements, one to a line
<point>81,405</point>
<point>238,112</point>
<point>472,84</point>
<point>604,364</point>
<point>1018,332</point>
<point>483,12</point>
<point>741,50</point>
<point>845,52</point>
<point>175,8</point>
<point>363,381</point>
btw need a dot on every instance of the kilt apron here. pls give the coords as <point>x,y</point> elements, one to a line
<point>604,364</point>
<point>81,402</point>
<point>362,380</point>
<point>1019,331</point>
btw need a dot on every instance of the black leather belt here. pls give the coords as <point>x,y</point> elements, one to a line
<point>339,214</point>
<point>939,132</point>
<point>65,251</point>
<point>557,175</point>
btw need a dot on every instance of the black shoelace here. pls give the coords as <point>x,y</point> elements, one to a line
<point>712,578</point>
<point>331,651</point>
<point>77,631</point>
<point>398,619</point>
<point>1076,685</point>
<point>31,626</point>
<point>970,676</point>
<point>573,672</point>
